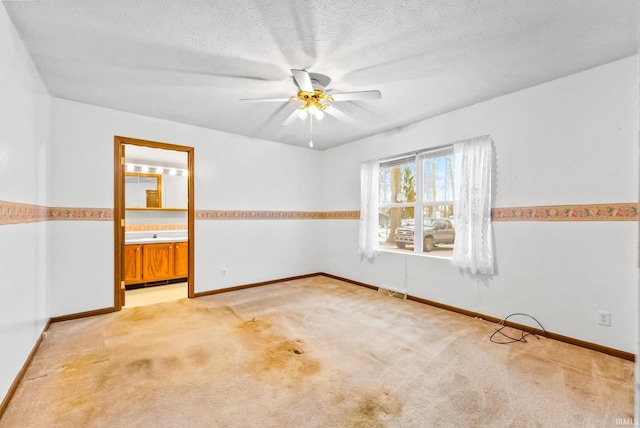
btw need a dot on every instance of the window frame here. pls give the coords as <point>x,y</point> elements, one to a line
<point>420,203</point>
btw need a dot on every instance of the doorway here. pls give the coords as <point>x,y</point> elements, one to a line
<point>149,177</point>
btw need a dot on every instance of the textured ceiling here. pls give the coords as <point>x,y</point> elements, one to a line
<point>191,61</point>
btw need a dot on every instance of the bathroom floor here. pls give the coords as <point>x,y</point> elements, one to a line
<point>151,295</point>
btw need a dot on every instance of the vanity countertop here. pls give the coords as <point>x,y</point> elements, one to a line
<point>158,240</point>
<point>156,237</point>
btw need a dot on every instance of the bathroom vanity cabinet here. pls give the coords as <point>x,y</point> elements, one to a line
<point>155,262</point>
<point>132,264</point>
<point>181,260</point>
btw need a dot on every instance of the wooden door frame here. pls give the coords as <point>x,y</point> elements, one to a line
<point>119,210</point>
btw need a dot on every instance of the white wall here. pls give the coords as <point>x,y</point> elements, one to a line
<point>231,173</point>
<point>237,173</point>
<point>156,217</point>
<point>24,135</point>
<point>175,191</point>
<point>570,141</point>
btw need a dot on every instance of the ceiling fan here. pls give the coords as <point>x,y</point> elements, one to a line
<point>315,99</point>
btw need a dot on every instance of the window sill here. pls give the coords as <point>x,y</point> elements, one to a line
<point>431,255</point>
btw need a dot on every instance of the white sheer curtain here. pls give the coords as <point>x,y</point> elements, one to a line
<point>368,242</point>
<point>473,247</point>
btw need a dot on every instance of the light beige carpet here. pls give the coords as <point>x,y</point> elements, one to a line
<point>310,353</point>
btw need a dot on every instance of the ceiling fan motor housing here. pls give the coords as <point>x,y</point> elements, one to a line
<point>315,98</point>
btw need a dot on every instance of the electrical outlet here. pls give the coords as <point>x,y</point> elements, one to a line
<point>604,318</point>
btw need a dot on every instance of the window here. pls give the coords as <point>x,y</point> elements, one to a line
<point>408,203</point>
<point>416,197</point>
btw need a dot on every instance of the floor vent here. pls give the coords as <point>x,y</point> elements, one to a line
<point>393,293</point>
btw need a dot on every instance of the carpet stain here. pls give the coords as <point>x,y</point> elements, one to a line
<point>199,356</point>
<point>274,357</point>
<point>137,314</point>
<point>288,357</point>
<point>458,396</point>
<point>171,363</point>
<point>142,366</point>
<point>458,393</point>
<point>80,378</point>
<point>254,326</point>
<point>232,311</point>
<point>373,410</point>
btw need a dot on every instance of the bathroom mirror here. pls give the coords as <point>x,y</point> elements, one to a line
<point>143,190</point>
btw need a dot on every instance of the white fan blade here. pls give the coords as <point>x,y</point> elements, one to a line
<point>338,114</point>
<point>266,100</point>
<point>303,80</point>
<point>291,118</point>
<point>354,96</point>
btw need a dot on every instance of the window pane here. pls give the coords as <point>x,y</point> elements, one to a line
<point>397,183</point>
<point>395,228</point>
<point>438,230</point>
<point>438,178</point>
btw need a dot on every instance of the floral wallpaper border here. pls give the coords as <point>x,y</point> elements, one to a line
<point>154,227</point>
<point>14,213</point>
<point>276,215</point>
<point>592,212</point>
<point>90,214</point>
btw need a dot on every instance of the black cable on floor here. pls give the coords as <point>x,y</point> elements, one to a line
<point>515,339</point>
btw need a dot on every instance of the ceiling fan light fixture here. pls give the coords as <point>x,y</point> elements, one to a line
<point>313,100</point>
